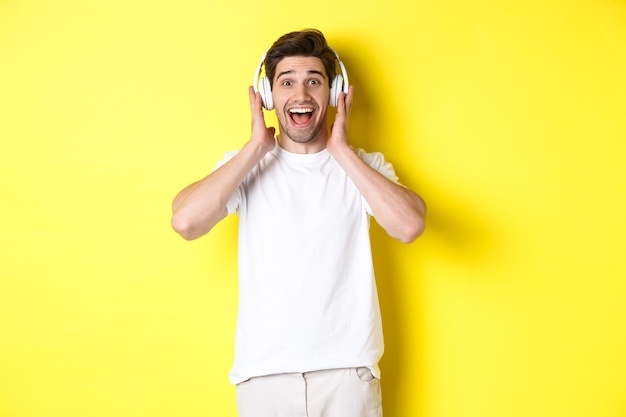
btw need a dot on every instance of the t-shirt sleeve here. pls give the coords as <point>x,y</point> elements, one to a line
<point>376,161</point>
<point>235,200</point>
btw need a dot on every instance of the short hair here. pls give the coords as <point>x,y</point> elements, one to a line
<point>306,43</point>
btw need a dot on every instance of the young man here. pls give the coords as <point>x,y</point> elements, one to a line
<point>309,333</point>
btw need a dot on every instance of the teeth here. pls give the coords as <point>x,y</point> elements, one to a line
<point>301,111</point>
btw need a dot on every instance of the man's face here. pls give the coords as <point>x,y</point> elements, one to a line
<point>301,92</point>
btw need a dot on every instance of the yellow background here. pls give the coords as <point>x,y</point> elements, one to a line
<point>508,117</point>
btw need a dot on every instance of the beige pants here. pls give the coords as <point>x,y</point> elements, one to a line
<point>349,392</point>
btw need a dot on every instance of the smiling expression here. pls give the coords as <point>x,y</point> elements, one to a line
<point>301,92</point>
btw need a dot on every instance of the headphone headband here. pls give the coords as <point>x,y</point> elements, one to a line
<point>257,72</point>
<point>344,73</point>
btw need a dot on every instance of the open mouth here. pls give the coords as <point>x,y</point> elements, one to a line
<point>301,115</point>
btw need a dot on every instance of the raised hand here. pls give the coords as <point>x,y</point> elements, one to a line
<point>262,135</point>
<point>339,130</point>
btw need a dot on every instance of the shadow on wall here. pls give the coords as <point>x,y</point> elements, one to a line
<point>459,232</point>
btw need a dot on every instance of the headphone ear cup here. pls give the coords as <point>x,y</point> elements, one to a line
<point>266,93</point>
<point>335,89</point>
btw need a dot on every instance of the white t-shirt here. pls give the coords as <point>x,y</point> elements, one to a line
<point>307,293</point>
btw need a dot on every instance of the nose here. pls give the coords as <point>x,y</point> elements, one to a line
<point>302,92</point>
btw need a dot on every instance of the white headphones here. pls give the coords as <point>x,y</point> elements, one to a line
<point>262,85</point>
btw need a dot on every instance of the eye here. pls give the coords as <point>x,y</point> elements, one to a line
<point>314,82</point>
<point>286,83</point>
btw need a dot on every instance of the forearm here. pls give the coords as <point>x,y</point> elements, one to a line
<point>398,210</point>
<point>201,205</point>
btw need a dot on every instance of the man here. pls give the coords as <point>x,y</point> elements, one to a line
<point>309,333</point>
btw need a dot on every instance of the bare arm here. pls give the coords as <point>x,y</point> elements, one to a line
<point>400,211</point>
<point>201,205</point>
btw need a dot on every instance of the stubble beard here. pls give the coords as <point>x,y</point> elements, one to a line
<point>301,136</point>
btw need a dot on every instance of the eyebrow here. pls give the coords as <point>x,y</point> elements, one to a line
<point>308,72</point>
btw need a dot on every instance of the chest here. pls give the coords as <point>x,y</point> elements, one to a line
<point>291,195</point>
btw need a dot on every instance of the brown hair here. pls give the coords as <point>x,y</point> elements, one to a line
<point>308,42</point>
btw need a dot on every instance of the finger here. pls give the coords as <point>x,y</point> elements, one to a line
<point>256,105</point>
<point>252,96</point>
<point>348,100</point>
<point>341,105</point>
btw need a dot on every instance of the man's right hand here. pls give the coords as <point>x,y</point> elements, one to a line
<point>262,136</point>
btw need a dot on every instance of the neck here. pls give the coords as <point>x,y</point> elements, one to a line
<point>314,146</point>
